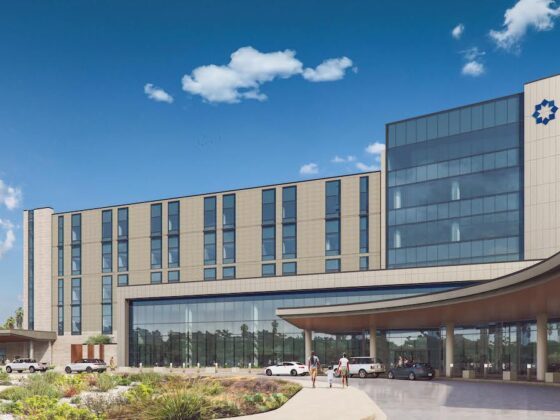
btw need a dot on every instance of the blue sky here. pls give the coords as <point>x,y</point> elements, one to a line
<point>78,130</point>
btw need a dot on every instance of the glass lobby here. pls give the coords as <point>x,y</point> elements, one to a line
<point>455,186</point>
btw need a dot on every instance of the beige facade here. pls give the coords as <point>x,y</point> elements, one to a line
<point>542,172</point>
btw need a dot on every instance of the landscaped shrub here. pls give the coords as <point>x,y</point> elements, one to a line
<point>15,393</point>
<point>148,378</point>
<point>124,380</point>
<point>71,385</point>
<point>4,378</point>
<point>105,382</point>
<point>138,393</point>
<point>41,385</point>
<point>45,408</point>
<point>98,339</point>
<point>179,405</point>
<point>101,403</point>
<point>223,408</point>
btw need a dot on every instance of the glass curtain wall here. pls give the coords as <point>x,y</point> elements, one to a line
<point>455,186</point>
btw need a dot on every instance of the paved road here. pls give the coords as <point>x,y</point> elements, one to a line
<point>441,399</point>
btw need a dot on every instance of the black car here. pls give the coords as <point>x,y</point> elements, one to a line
<point>412,371</point>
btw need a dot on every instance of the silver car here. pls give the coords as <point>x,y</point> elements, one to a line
<point>19,365</point>
<point>86,365</point>
<point>365,365</point>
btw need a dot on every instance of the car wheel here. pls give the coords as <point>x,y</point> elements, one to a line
<point>268,372</point>
<point>19,371</point>
<point>375,374</point>
<point>68,369</point>
<point>8,369</point>
<point>293,372</point>
<point>89,369</point>
<point>362,373</point>
<point>411,376</point>
<point>391,375</point>
<point>31,369</point>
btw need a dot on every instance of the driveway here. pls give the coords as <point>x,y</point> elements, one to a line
<point>441,399</point>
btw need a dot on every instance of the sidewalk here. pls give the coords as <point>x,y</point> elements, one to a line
<point>324,403</point>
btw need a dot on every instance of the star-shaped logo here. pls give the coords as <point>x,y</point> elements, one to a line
<point>545,112</point>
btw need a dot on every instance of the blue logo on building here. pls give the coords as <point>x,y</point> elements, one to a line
<point>545,112</point>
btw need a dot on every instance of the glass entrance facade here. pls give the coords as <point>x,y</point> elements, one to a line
<point>238,330</point>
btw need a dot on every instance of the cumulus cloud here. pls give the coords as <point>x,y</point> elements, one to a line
<point>328,70</point>
<point>473,68</point>
<point>347,159</point>
<point>458,31</point>
<point>248,69</point>
<point>157,94</point>
<point>375,148</point>
<point>525,14</point>
<point>309,169</point>
<point>9,196</point>
<point>8,238</point>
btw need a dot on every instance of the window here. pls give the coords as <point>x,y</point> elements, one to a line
<point>289,269</point>
<point>173,251</point>
<point>107,225</point>
<point>398,243</point>
<point>269,206</point>
<point>268,243</point>
<point>123,280</point>
<point>60,306</point>
<point>173,225</point>
<point>173,277</point>
<point>76,259</point>
<point>76,228</point>
<point>455,191</point>
<point>364,263</point>
<point>76,303</point>
<point>209,274</point>
<point>268,270</point>
<point>397,199</point>
<point>332,240</point>
<point>332,266</point>
<point>229,246</point>
<point>228,273</point>
<point>155,257</point>
<point>155,219</point>
<point>332,199</point>
<point>123,255</point>
<point>123,223</point>
<point>60,249</point>
<point>155,277</point>
<point>209,248</point>
<point>107,305</point>
<point>364,195</point>
<point>107,257</point>
<point>455,232</point>
<point>228,220</point>
<point>209,213</point>
<point>364,234</point>
<point>289,245</point>
<point>289,204</point>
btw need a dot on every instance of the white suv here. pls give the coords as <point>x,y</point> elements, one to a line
<point>19,365</point>
<point>364,366</point>
<point>86,365</point>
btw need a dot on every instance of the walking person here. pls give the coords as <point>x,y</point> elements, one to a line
<point>313,364</point>
<point>343,369</point>
<point>330,376</point>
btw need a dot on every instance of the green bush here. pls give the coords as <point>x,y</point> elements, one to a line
<point>98,339</point>
<point>15,393</point>
<point>223,408</point>
<point>105,382</point>
<point>124,380</point>
<point>45,408</point>
<point>140,392</point>
<point>148,378</point>
<point>179,405</point>
<point>4,377</point>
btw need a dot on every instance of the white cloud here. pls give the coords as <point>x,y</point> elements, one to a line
<point>525,14</point>
<point>249,68</point>
<point>9,196</point>
<point>9,239</point>
<point>458,31</point>
<point>309,169</point>
<point>473,68</point>
<point>157,94</point>
<point>366,168</point>
<point>473,53</point>
<point>328,70</point>
<point>347,159</point>
<point>375,148</point>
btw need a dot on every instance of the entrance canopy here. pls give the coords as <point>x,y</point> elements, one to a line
<point>515,297</point>
<point>13,336</point>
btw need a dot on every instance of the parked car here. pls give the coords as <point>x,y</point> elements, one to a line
<point>363,366</point>
<point>86,365</point>
<point>287,368</point>
<point>19,365</point>
<point>412,371</point>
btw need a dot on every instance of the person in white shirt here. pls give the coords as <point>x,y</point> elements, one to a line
<point>330,376</point>
<point>343,369</point>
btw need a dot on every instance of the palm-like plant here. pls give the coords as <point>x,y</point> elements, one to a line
<point>19,318</point>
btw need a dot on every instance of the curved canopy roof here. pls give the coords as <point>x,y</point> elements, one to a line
<point>518,296</point>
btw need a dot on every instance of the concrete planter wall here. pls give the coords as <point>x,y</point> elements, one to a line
<point>552,377</point>
<point>509,375</point>
<point>468,374</point>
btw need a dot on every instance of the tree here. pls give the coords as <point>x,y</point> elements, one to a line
<point>10,323</point>
<point>19,318</point>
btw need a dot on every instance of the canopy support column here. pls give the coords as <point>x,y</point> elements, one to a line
<point>542,350</point>
<point>449,348</point>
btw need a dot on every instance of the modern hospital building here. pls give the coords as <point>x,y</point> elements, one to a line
<point>445,255</point>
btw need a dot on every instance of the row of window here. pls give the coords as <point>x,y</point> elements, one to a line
<point>463,120</point>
